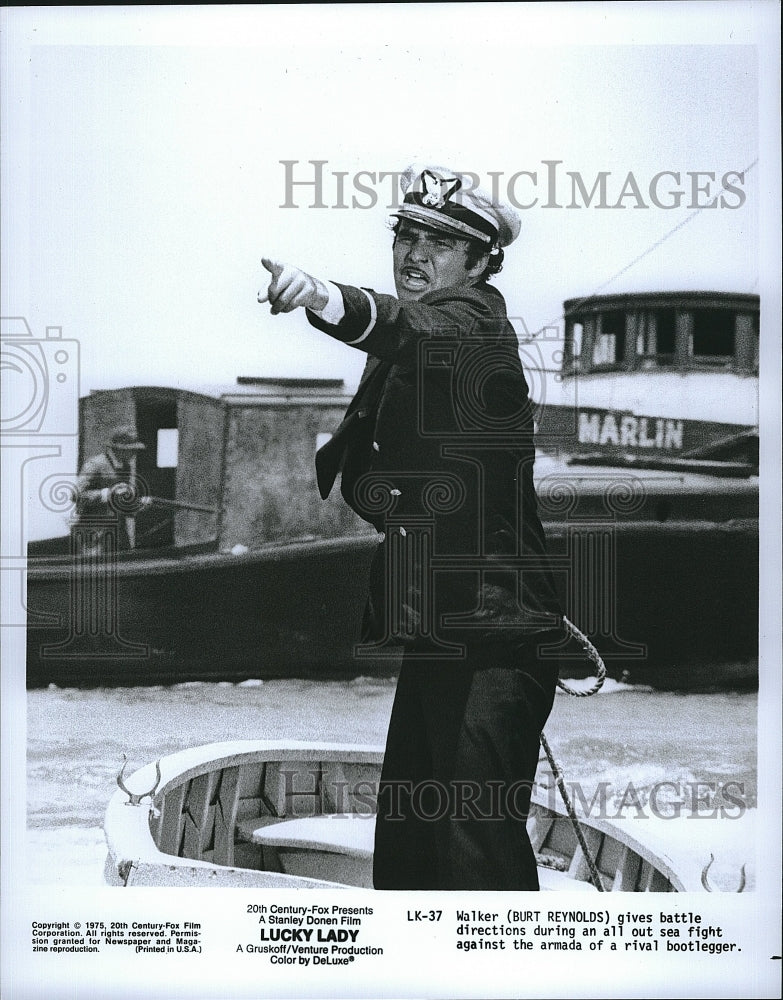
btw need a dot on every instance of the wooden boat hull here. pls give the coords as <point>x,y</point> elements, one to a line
<point>671,604</point>
<point>274,612</point>
<point>300,815</point>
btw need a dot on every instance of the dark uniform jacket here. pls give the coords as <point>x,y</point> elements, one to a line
<point>436,450</point>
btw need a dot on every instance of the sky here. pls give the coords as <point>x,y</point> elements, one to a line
<point>144,182</point>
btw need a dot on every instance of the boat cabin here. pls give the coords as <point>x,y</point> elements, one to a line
<point>232,468</point>
<point>666,374</point>
<point>684,331</point>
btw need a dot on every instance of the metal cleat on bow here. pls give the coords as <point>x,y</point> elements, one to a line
<point>134,798</point>
<point>705,881</point>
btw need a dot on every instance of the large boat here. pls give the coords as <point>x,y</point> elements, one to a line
<point>275,815</point>
<point>664,387</point>
<point>240,570</point>
<point>667,379</point>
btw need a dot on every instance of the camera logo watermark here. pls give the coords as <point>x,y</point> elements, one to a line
<point>40,381</point>
<point>68,606</point>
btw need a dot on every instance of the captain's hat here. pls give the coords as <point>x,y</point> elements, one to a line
<point>448,201</point>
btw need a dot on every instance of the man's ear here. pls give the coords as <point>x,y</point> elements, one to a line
<point>479,266</point>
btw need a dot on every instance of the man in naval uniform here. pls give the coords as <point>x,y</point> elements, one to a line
<point>436,450</point>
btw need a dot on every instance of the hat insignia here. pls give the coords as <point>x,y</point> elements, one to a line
<point>436,190</point>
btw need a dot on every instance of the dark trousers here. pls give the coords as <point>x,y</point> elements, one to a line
<point>461,756</point>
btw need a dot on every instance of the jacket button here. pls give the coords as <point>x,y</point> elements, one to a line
<point>375,446</point>
<point>403,532</point>
<point>395,493</point>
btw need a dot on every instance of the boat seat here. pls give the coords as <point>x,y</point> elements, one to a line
<point>245,828</point>
<point>551,880</point>
<point>334,848</point>
<point>350,834</point>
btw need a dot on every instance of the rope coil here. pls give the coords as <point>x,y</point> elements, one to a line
<point>592,654</point>
<point>557,772</point>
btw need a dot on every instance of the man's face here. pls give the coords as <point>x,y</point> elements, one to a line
<point>426,260</point>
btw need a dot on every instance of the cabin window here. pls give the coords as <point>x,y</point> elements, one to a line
<point>609,346</point>
<point>656,336</point>
<point>577,334</point>
<point>746,341</point>
<point>713,334</point>
<point>168,447</point>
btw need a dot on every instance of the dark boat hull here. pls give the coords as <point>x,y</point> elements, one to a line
<point>673,605</point>
<point>280,611</point>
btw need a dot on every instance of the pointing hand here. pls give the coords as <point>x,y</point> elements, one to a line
<point>291,288</point>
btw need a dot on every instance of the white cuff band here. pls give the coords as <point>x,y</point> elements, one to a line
<point>334,310</point>
<point>371,324</point>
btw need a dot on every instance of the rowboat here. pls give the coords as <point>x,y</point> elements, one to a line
<point>277,815</point>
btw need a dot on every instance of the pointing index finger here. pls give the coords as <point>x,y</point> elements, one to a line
<point>275,267</point>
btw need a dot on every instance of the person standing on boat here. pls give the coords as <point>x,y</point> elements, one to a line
<point>106,498</point>
<point>436,451</point>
